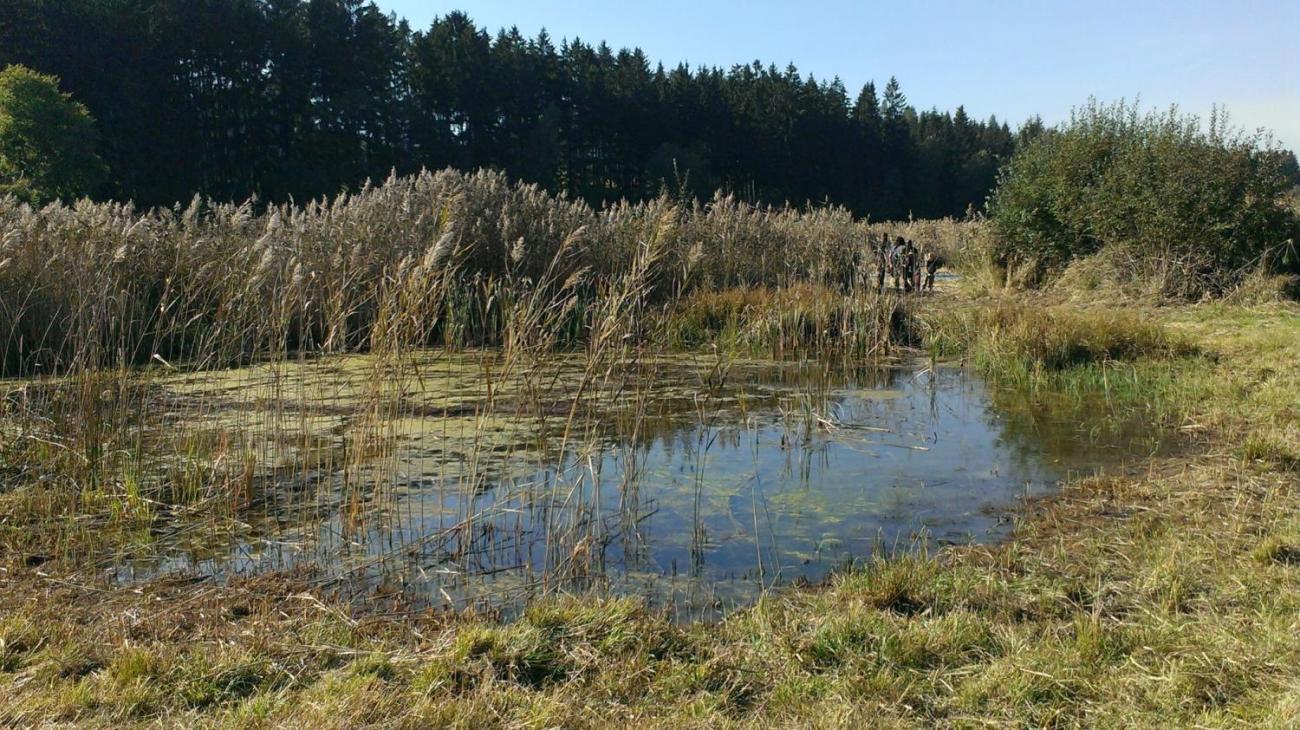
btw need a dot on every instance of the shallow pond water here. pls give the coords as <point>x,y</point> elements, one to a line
<point>694,484</point>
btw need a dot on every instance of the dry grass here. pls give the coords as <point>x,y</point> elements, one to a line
<point>1009,336</point>
<point>801,320</point>
<point>1169,596</point>
<point>411,273</point>
<point>1166,596</point>
<point>219,284</point>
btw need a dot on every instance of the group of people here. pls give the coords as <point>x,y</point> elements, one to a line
<point>911,270</point>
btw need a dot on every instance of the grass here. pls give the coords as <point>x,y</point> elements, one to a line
<point>1167,594</point>
<point>787,322</point>
<point>1170,596</point>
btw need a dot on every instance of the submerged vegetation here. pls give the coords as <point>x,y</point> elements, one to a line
<point>1168,595</point>
<point>224,371</point>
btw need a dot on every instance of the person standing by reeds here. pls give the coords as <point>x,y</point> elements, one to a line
<point>896,262</point>
<point>881,251</point>
<point>909,266</point>
<point>932,264</point>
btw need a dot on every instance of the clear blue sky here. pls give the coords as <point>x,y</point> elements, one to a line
<point>1013,58</point>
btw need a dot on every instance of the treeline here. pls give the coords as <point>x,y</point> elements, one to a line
<point>295,99</point>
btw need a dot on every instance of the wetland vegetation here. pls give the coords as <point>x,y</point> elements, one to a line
<point>232,498</point>
<point>459,450</point>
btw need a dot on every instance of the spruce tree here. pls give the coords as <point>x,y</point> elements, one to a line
<point>299,98</point>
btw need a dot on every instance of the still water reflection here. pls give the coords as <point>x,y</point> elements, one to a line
<point>695,493</point>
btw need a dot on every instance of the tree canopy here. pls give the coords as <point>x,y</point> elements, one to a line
<point>295,99</point>
<point>47,140</point>
<point>1153,200</point>
<point>285,99</point>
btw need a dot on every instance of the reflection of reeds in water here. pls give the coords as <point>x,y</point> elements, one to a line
<point>183,364</point>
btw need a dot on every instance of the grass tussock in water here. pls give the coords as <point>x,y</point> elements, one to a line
<point>807,319</point>
<point>1125,374</point>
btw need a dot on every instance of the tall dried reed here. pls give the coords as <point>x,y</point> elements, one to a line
<point>182,361</point>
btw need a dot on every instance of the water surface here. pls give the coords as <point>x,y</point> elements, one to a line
<point>693,483</point>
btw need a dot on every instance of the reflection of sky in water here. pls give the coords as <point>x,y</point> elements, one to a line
<point>698,515</point>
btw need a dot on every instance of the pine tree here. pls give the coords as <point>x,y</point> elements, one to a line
<point>299,98</point>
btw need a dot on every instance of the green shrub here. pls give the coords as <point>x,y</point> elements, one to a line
<point>1188,212</point>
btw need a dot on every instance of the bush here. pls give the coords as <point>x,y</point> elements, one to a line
<point>1182,211</point>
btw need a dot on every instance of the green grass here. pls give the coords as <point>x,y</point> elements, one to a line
<point>808,320</point>
<point>1169,596</point>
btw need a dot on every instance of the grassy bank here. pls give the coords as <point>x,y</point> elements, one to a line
<point>1167,596</point>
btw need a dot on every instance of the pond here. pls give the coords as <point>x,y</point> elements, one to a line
<point>696,483</point>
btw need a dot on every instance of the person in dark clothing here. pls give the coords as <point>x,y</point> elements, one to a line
<point>909,266</point>
<point>932,265</point>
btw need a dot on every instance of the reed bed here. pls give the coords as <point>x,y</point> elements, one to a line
<point>93,285</point>
<point>177,376</point>
<point>289,366</point>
